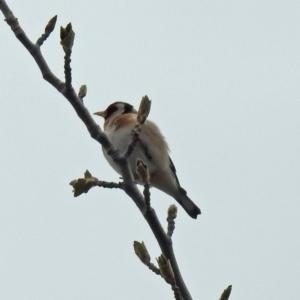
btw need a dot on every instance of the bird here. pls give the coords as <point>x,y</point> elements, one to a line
<point>151,147</point>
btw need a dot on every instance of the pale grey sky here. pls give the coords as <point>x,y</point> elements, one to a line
<point>224,78</point>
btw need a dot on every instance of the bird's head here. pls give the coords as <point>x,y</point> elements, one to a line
<point>114,109</point>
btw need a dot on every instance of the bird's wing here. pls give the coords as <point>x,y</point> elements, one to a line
<point>144,149</point>
<point>154,145</point>
<point>173,169</point>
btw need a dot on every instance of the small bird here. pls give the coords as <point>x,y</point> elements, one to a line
<point>152,148</point>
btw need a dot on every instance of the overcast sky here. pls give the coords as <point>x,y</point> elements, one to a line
<point>224,79</point>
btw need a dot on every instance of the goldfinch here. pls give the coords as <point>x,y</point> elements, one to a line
<point>151,148</point>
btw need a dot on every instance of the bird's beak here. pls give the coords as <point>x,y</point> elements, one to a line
<point>101,114</point>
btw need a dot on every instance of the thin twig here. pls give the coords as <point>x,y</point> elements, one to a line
<point>49,28</point>
<point>110,185</point>
<point>135,132</point>
<point>154,268</point>
<point>171,227</point>
<point>176,291</point>
<point>147,194</point>
<point>68,70</point>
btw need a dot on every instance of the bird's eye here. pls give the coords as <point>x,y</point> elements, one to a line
<point>110,110</point>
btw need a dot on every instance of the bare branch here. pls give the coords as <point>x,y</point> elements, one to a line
<point>96,133</point>
<point>68,70</point>
<point>83,185</point>
<point>67,36</point>
<point>177,293</point>
<point>154,268</point>
<point>143,172</point>
<point>142,115</point>
<point>110,185</point>
<point>135,132</point>
<point>147,194</point>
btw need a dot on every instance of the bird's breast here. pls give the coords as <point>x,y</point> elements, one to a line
<point>151,147</point>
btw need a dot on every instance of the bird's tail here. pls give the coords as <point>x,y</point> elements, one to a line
<point>188,205</point>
